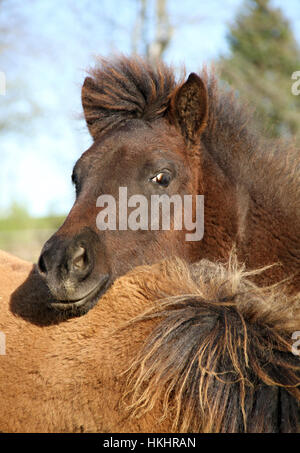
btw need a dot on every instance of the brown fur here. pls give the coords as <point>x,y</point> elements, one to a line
<point>130,88</point>
<point>177,347</point>
<point>139,115</point>
<point>123,90</point>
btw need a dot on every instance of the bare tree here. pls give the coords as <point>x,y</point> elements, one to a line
<point>163,32</point>
<point>141,41</point>
<point>139,34</point>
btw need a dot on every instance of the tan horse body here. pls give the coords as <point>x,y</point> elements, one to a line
<point>214,332</point>
<point>62,378</point>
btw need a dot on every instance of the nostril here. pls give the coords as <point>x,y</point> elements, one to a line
<point>41,265</point>
<point>79,259</point>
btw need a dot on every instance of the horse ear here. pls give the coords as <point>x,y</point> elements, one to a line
<point>87,105</point>
<point>189,107</point>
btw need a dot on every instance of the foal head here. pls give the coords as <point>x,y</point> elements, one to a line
<point>146,140</point>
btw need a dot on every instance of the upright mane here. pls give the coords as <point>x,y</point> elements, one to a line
<point>124,89</point>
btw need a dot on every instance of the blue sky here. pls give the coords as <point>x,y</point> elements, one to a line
<point>49,44</point>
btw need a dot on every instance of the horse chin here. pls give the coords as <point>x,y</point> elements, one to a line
<point>83,305</point>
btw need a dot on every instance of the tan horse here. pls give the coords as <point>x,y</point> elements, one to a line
<point>170,347</point>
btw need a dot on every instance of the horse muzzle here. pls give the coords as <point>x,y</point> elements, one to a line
<point>69,268</point>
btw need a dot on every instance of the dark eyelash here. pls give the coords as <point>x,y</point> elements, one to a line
<point>74,178</point>
<point>76,183</point>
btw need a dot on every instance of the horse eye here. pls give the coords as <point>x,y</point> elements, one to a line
<point>162,178</point>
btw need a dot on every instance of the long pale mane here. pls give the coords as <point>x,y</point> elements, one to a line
<point>219,358</point>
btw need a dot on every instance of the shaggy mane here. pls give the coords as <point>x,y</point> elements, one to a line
<point>268,168</point>
<point>219,358</point>
<point>124,89</point>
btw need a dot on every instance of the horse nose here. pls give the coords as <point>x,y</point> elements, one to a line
<point>46,260</point>
<point>79,259</point>
<point>73,267</point>
<point>79,262</point>
<point>42,267</point>
<point>74,262</point>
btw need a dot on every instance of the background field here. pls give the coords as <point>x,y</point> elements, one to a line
<point>24,236</point>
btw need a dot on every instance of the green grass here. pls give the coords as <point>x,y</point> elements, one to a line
<point>13,223</point>
<point>24,236</point>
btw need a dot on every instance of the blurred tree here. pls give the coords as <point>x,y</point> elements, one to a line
<point>264,55</point>
<point>163,30</point>
<point>17,106</point>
